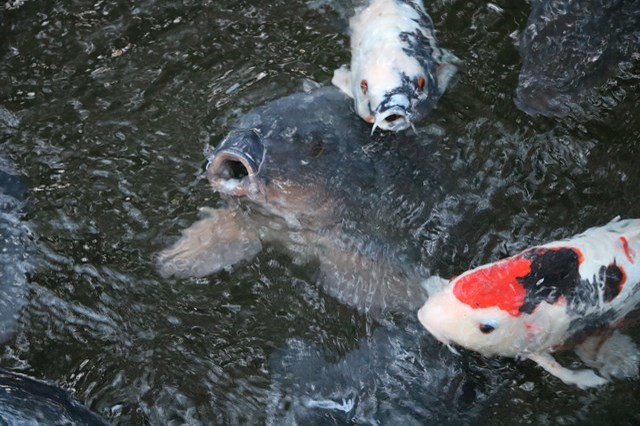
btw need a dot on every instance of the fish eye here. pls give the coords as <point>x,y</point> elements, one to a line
<point>487,327</point>
<point>364,87</point>
<point>421,82</point>
<point>317,149</point>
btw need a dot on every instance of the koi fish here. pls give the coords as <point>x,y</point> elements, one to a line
<point>570,294</point>
<point>294,173</point>
<point>569,49</point>
<point>398,72</point>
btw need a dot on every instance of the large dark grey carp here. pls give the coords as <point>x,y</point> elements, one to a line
<point>303,172</point>
<point>570,48</point>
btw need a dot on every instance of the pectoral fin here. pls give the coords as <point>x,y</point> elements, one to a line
<point>218,241</point>
<point>581,378</point>
<point>342,80</point>
<point>446,69</point>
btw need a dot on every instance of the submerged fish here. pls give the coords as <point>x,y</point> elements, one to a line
<point>570,48</point>
<point>298,172</point>
<point>26,401</point>
<point>398,72</point>
<point>398,364</point>
<point>565,294</point>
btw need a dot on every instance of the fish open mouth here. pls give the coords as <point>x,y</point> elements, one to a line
<point>234,164</point>
<point>393,120</point>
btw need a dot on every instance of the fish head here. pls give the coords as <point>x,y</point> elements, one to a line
<point>489,331</point>
<point>297,158</point>
<point>249,166</point>
<point>292,168</point>
<point>484,310</point>
<point>394,100</point>
<point>234,166</point>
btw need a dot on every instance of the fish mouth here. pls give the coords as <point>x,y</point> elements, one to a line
<point>429,316</point>
<point>234,164</point>
<point>393,120</point>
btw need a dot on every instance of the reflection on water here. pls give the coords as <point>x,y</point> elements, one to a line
<point>108,108</point>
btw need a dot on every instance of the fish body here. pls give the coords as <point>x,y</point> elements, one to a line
<point>300,172</point>
<point>570,48</point>
<point>565,294</point>
<point>397,69</point>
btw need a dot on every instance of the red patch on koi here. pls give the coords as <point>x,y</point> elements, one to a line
<point>627,251</point>
<point>364,87</point>
<point>495,286</point>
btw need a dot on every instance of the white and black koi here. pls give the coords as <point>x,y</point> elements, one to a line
<point>397,72</point>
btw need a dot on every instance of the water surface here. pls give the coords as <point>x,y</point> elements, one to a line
<point>112,108</point>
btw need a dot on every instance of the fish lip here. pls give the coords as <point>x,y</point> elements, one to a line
<point>234,165</point>
<point>394,119</point>
<point>423,315</point>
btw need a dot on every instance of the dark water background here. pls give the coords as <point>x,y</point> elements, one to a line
<point>117,104</point>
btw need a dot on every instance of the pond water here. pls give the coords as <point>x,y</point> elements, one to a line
<point>109,110</point>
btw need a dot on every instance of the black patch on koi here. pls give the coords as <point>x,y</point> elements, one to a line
<point>612,277</point>
<point>406,88</point>
<point>419,48</point>
<point>553,273</point>
<point>603,287</point>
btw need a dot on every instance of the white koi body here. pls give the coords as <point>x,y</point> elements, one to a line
<point>397,70</point>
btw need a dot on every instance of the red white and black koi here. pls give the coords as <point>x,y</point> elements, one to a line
<point>397,69</point>
<point>566,294</point>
